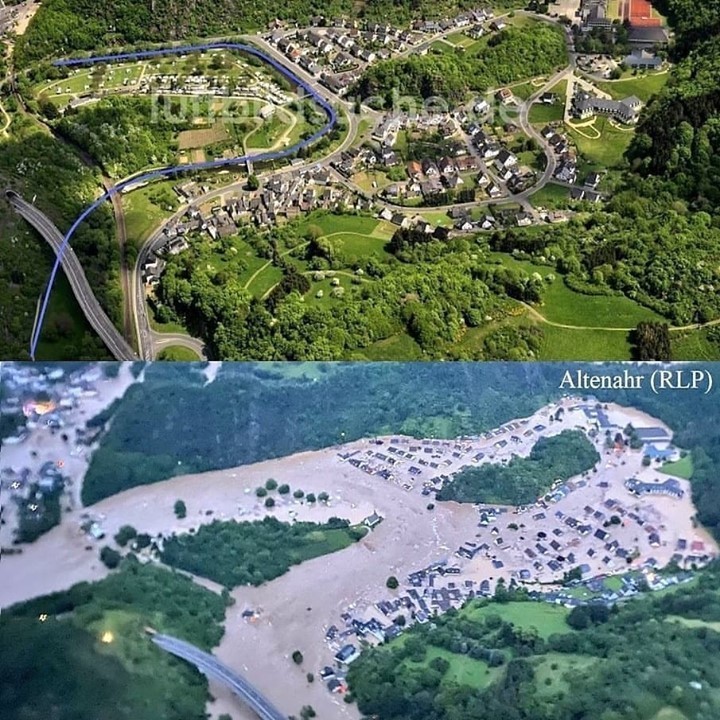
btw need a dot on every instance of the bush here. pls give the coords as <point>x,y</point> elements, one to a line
<point>261,492</point>
<point>125,534</point>
<point>271,484</point>
<point>392,582</point>
<point>284,489</point>
<point>142,541</point>
<point>310,497</point>
<point>110,558</point>
<point>298,494</point>
<point>269,502</point>
<point>180,509</point>
<point>297,657</point>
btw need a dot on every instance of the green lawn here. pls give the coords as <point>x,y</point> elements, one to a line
<point>551,196</point>
<point>178,353</point>
<point>614,582</point>
<point>460,39</point>
<point>540,113</point>
<point>642,86</point>
<point>682,468</point>
<point>463,670</point>
<point>547,619</point>
<point>562,305</point>
<point>165,327</point>
<point>437,217</point>
<point>143,215</point>
<point>560,344</point>
<point>331,224</point>
<point>694,345</point>
<point>523,90</point>
<point>694,622</point>
<point>606,151</point>
<point>264,281</point>
<point>553,668</point>
<point>354,244</point>
<point>268,132</point>
<point>397,347</point>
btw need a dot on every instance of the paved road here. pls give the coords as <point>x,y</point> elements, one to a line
<point>121,231</point>
<point>211,667</point>
<point>161,341</point>
<point>89,304</point>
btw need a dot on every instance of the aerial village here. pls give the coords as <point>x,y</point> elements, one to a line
<point>485,142</point>
<point>47,454</point>
<point>622,529</point>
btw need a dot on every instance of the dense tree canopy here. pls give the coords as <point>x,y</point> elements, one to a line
<point>629,663</point>
<point>122,134</point>
<point>523,480</point>
<point>35,164</point>
<point>251,553</point>
<point>128,678</point>
<point>515,53</point>
<point>443,289</point>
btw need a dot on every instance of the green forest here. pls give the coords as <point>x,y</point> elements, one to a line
<point>60,667</point>
<point>36,165</point>
<point>514,659</point>
<point>447,286</point>
<point>513,54</point>
<point>251,553</point>
<point>523,480</point>
<point>122,134</point>
<point>255,414</point>
<point>65,26</point>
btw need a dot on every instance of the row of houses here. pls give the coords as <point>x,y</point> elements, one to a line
<point>281,198</point>
<point>506,165</point>
<point>338,55</point>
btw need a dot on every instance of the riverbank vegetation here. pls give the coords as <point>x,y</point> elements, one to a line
<point>251,553</point>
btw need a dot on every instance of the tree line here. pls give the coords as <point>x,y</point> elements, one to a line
<point>523,480</point>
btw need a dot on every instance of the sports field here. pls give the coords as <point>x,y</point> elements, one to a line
<point>640,13</point>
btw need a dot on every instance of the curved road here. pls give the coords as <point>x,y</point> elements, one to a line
<point>170,171</point>
<point>211,667</point>
<point>162,341</point>
<point>92,309</point>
